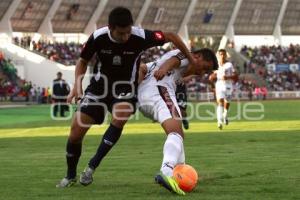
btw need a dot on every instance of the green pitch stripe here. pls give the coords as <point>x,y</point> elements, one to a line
<point>144,128</point>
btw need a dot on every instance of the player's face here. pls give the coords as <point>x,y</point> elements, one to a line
<point>59,76</point>
<point>202,65</point>
<point>121,34</point>
<point>221,56</point>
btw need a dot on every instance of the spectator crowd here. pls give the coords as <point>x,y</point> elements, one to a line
<point>260,57</point>
<point>13,88</point>
<point>64,53</point>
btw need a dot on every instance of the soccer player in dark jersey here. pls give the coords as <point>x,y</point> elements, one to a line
<point>118,47</point>
<point>181,97</point>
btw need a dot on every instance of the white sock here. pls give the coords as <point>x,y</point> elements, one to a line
<point>181,159</point>
<point>172,150</point>
<point>219,113</point>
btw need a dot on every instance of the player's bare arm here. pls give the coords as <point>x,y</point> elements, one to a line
<point>233,77</point>
<point>177,41</point>
<point>213,76</point>
<point>80,70</point>
<point>142,72</point>
<point>168,65</point>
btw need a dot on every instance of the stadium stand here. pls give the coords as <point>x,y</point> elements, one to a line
<point>29,15</point>
<point>200,23</point>
<point>257,17</point>
<point>290,23</point>
<point>13,88</point>
<point>212,17</point>
<point>72,16</point>
<point>273,54</point>
<point>165,15</point>
<point>134,5</point>
<point>276,79</point>
<point>4,6</point>
<point>65,53</point>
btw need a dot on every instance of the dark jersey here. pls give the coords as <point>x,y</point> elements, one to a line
<point>60,89</point>
<point>117,61</point>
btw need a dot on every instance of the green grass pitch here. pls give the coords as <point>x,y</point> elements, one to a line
<point>249,159</point>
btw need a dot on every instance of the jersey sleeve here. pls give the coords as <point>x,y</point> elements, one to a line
<point>88,49</point>
<point>149,66</point>
<point>229,66</point>
<point>182,58</point>
<point>154,38</point>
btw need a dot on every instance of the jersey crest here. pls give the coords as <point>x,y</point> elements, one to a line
<point>117,60</point>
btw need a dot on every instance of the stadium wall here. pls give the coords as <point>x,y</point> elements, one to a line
<point>209,96</point>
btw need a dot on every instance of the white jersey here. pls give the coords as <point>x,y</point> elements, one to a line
<point>224,88</point>
<point>169,80</point>
<point>157,99</point>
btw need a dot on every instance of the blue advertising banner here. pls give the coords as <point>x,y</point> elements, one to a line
<point>282,67</point>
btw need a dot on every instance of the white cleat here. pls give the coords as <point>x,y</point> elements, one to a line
<point>86,176</point>
<point>220,126</point>
<point>226,122</point>
<point>65,182</point>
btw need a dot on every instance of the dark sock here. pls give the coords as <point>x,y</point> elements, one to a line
<point>73,155</point>
<point>109,139</point>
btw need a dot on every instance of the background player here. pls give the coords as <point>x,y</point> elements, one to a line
<point>157,101</point>
<point>225,76</point>
<point>118,47</point>
<point>181,98</point>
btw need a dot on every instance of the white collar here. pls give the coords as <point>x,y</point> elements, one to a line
<point>111,38</point>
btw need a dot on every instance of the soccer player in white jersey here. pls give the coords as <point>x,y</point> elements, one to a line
<point>157,101</point>
<point>225,76</point>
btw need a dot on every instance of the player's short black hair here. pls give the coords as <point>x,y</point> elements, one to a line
<point>222,50</point>
<point>120,16</point>
<point>208,55</point>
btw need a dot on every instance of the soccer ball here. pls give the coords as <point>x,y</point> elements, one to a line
<point>186,177</point>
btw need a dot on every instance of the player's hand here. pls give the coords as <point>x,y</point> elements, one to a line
<point>74,94</point>
<point>212,77</point>
<point>159,74</point>
<point>70,97</point>
<point>179,81</point>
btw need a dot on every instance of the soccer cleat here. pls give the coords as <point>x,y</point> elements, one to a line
<point>169,183</point>
<point>226,122</point>
<point>65,182</point>
<point>86,176</point>
<point>220,126</point>
<point>185,124</point>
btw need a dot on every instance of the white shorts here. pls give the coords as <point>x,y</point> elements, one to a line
<point>224,92</point>
<point>157,103</point>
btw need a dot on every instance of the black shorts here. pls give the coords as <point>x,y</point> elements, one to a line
<point>97,108</point>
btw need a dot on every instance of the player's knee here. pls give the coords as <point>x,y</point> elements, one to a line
<point>75,139</point>
<point>118,122</point>
<point>221,102</point>
<point>76,135</point>
<point>172,125</point>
